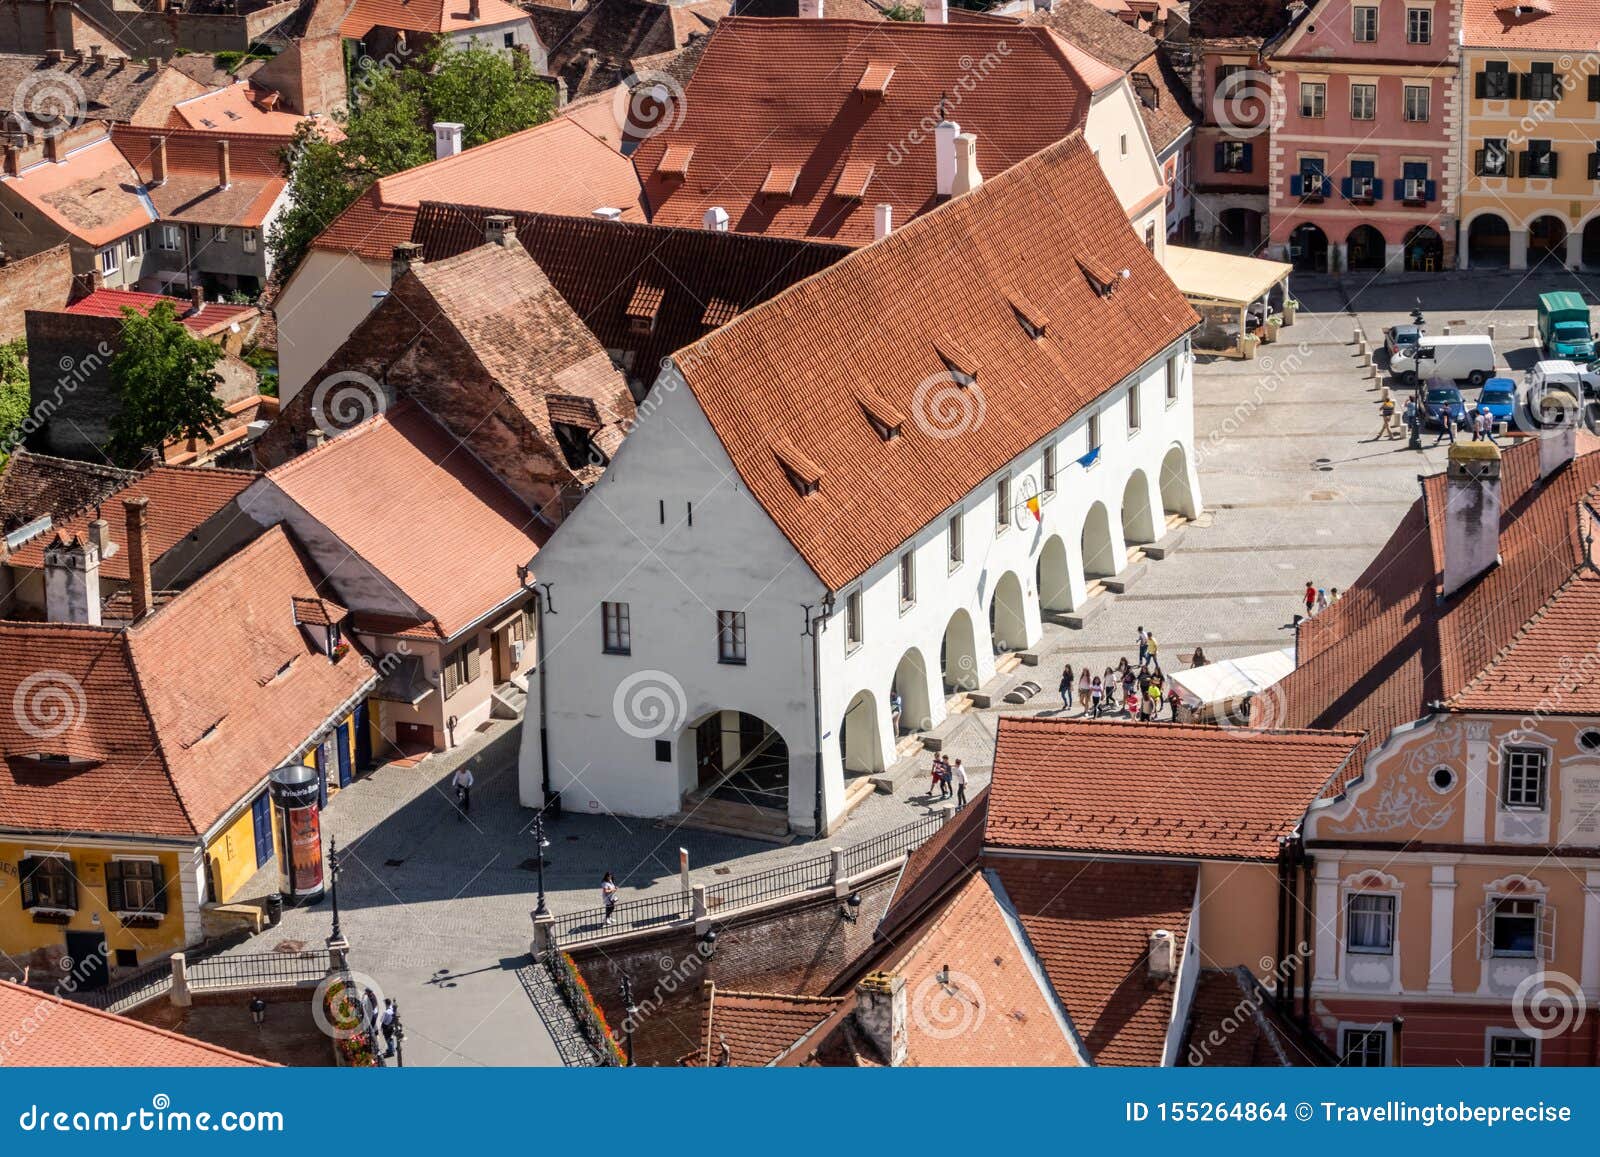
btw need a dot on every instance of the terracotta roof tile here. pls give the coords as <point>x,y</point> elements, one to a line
<point>1558,26</point>
<point>1233,1022</point>
<point>42,1030</point>
<point>707,277</point>
<point>1090,923</point>
<point>1390,646</point>
<point>191,706</point>
<point>465,532</point>
<point>425,16</point>
<point>1097,32</point>
<point>92,193</point>
<point>116,90</point>
<point>577,174</point>
<point>193,191</point>
<point>595,48</point>
<point>232,109</point>
<point>808,116</point>
<point>939,283</point>
<point>214,318</point>
<point>757,1026</point>
<point>34,485</point>
<point>1156,788</point>
<point>181,498</point>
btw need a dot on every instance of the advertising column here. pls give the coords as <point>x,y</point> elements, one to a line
<point>294,797</point>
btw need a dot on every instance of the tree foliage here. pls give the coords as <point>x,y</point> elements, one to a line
<point>489,92</point>
<point>14,400</point>
<point>166,385</point>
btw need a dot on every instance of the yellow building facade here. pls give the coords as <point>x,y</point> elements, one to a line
<point>1529,140</point>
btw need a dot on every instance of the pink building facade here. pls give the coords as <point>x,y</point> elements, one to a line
<point>1361,165</point>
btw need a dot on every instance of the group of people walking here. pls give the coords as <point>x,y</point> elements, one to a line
<point>1479,422</point>
<point>1137,690</point>
<point>949,778</point>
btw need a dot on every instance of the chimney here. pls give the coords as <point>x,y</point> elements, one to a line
<point>606,213</point>
<point>267,101</point>
<point>96,56</point>
<point>474,11</point>
<point>197,300</point>
<point>882,221</point>
<point>1558,431</point>
<point>1471,513</point>
<point>100,537</point>
<point>716,219</point>
<point>936,11</point>
<point>136,510</point>
<point>54,56</point>
<point>52,148</point>
<point>158,160</point>
<point>315,437</point>
<point>72,581</point>
<point>967,177</point>
<point>446,139</point>
<point>1162,957</point>
<point>405,255</point>
<point>13,160</point>
<point>499,229</point>
<point>944,160</point>
<point>811,9</point>
<point>224,170</point>
<point>881,1013</point>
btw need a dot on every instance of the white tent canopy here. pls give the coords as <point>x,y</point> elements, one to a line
<point>1228,680</point>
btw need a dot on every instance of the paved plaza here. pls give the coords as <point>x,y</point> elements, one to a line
<point>437,906</point>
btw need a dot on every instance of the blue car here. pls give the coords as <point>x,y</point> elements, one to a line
<point>1499,397</point>
<point>1443,395</point>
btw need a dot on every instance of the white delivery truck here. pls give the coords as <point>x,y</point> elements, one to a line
<point>1464,357</point>
<point>1581,383</point>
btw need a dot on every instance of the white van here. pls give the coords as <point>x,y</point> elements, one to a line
<point>1575,379</point>
<point>1466,357</point>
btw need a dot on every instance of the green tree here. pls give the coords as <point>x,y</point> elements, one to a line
<point>389,129</point>
<point>14,400</point>
<point>166,383</point>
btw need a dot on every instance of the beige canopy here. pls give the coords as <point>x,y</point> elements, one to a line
<point>1222,286</point>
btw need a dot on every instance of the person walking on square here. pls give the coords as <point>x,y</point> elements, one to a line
<point>1130,689</point>
<point>388,1027</point>
<point>608,895</point>
<point>1144,646</point>
<point>1066,687</point>
<point>1310,597</point>
<point>896,707</point>
<point>1096,694</point>
<point>937,774</point>
<point>1083,688</point>
<point>1322,600</point>
<point>960,774</point>
<point>1386,412</point>
<point>1173,701</point>
<point>946,775</point>
<point>1199,659</point>
<point>1447,426</point>
<point>1154,648</point>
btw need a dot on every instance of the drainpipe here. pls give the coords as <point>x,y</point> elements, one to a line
<point>1279,954</point>
<point>813,628</point>
<point>1307,866</point>
<point>544,678</point>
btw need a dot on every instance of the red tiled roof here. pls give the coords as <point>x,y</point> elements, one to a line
<point>42,1030</point>
<point>181,498</point>
<point>757,1026</point>
<point>92,193</point>
<point>948,855</point>
<point>557,167</point>
<point>214,318</point>
<point>178,716</point>
<point>1534,671</point>
<point>34,485</point>
<point>1233,1022</point>
<point>231,109</point>
<point>1390,646</point>
<point>779,93</point>
<point>425,16</point>
<point>1167,789</point>
<point>1090,923</point>
<point>192,191</point>
<point>464,532</point>
<point>1556,26</point>
<point>941,283</point>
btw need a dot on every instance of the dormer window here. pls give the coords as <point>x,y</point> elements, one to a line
<point>675,161</point>
<point>962,366</point>
<point>853,180</point>
<point>887,421</point>
<point>803,474</point>
<point>644,306</point>
<point>875,78</point>
<point>1032,319</point>
<point>1102,279</point>
<point>781,180</point>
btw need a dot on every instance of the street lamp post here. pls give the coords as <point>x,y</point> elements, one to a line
<point>630,1010</point>
<point>333,880</point>
<point>399,1038</point>
<point>539,845</point>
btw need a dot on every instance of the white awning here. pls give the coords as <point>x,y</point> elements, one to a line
<point>1229,680</point>
<point>1208,278</point>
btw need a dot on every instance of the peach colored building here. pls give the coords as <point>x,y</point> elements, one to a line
<point>1362,166</point>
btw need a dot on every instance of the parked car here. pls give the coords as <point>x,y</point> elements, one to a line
<point>1443,394</point>
<point>1401,337</point>
<point>1578,381</point>
<point>1463,357</point>
<point>1564,326</point>
<point>1499,397</point>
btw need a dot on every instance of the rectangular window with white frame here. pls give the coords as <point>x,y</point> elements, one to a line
<point>1364,24</point>
<point>1364,1048</point>
<point>1518,927</point>
<point>1509,1049</point>
<point>1092,429</point>
<point>957,544</point>
<point>171,238</point>
<point>1002,505</point>
<point>47,882</point>
<point>617,628</point>
<point>908,580</point>
<point>1313,99</point>
<point>1173,369</point>
<point>1524,772</point>
<point>1363,102</point>
<point>1419,25</point>
<point>1135,418</point>
<point>1369,923</point>
<point>135,245</point>
<point>1416,102</point>
<point>1050,468</point>
<point>110,260</point>
<point>731,637</point>
<point>249,239</point>
<point>853,627</point>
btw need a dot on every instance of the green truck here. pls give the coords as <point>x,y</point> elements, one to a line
<point>1564,327</point>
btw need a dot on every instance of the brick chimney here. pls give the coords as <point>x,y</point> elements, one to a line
<point>1162,956</point>
<point>1471,513</point>
<point>499,229</point>
<point>52,148</point>
<point>881,1013</point>
<point>1558,431</point>
<point>158,160</point>
<point>474,11</point>
<point>944,157</point>
<point>446,139</point>
<point>72,581</point>
<point>267,101</point>
<point>54,56</point>
<point>315,437</point>
<point>197,300</point>
<point>405,256</point>
<point>13,161</point>
<point>100,536</point>
<point>137,510</point>
<point>224,169</point>
<point>967,176</point>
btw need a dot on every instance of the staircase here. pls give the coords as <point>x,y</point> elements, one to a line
<point>507,702</point>
<point>730,818</point>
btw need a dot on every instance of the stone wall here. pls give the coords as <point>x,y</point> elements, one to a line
<point>42,281</point>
